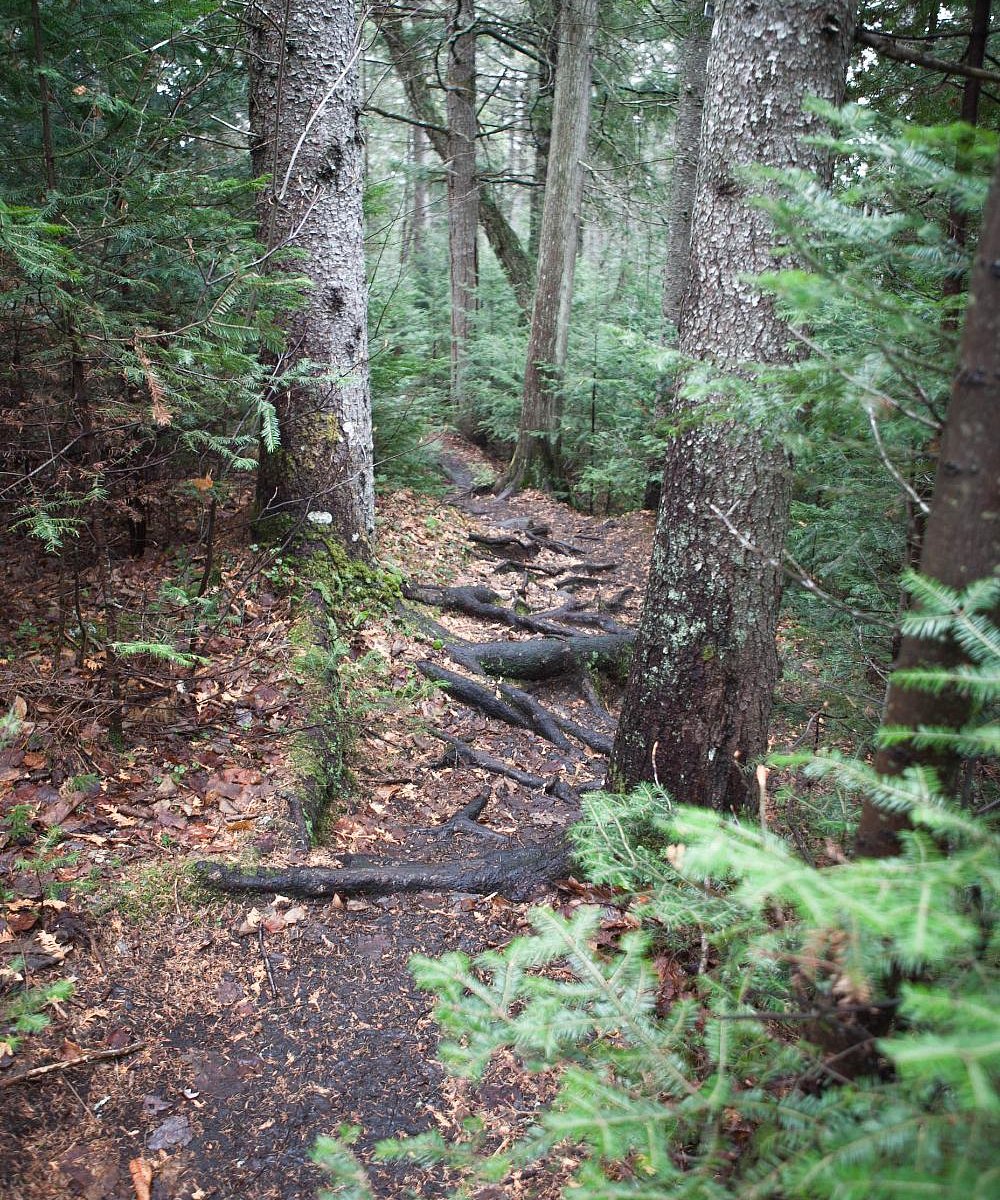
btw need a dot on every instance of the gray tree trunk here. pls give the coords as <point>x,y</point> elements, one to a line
<point>463,191</point>
<point>414,198</point>
<point>545,18</point>
<point>536,457</point>
<point>419,217</point>
<point>698,701</point>
<point>684,166</point>
<point>505,243</point>
<point>680,199</point>
<point>305,135</point>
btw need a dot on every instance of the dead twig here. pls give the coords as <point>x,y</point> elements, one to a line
<point>267,964</point>
<point>90,1056</point>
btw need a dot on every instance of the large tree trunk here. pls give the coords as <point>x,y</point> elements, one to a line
<point>536,458</point>
<point>506,245</point>
<point>697,705</point>
<point>463,191</point>
<point>305,136</point>
<point>962,538</point>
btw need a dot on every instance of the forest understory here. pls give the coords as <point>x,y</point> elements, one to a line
<point>210,1039</point>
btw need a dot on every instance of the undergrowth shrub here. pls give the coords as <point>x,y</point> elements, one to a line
<point>724,1048</point>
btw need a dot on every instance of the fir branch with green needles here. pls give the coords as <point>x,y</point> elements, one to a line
<point>730,1087</point>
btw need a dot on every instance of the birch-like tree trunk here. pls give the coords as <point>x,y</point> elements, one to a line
<point>536,457</point>
<point>305,135</point>
<point>698,701</point>
<point>463,190</point>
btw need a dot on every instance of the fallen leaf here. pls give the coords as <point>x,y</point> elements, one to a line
<point>175,1131</point>
<point>251,921</point>
<point>142,1177</point>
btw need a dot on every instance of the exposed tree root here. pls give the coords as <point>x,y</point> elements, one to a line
<point>516,707</point>
<point>524,568</point>
<point>531,716</point>
<point>517,872</point>
<point>544,658</point>
<point>524,540</point>
<point>575,612</point>
<point>591,568</point>
<point>481,602</point>
<point>461,752</point>
<point>506,545</point>
<point>465,821</point>
<point>477,602</point>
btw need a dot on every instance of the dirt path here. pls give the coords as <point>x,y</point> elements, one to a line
<point>254,1041</point>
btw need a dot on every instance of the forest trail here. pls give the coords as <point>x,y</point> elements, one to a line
<point>245,1035</point>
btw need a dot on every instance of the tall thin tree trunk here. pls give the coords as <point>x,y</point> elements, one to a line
<point>545,18</point>
<point>975,56</point>
<point>506,245</point>
<point>680,199</point>
<point>536,457</point>
<point>962,538</point>
<point>699,696</point>
<point>305,136</point>
<point>684,162</point>
<point>419,215</point>
<point>463,191</point>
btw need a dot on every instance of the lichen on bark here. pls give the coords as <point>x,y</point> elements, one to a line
<point>305,138</point>
<point>698,701</point>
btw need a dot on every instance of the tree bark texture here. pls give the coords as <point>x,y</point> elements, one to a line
<point>684,167</point>
<point>463,189</point>
<point>506,245</point>
<point>698,701</point>
<point>680,199</point>
<point>545,19</point>
<point>962,537</point>
<point>536,457</point>
<point>306,137</point>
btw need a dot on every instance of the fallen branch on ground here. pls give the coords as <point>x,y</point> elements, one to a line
<point>89,1056</point>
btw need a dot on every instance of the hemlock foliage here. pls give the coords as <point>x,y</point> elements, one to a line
<point>715,1052</point>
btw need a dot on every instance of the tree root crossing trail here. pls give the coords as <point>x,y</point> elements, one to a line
<point>267,1020</point>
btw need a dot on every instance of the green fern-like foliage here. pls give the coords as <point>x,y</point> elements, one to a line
<point>741,1084</point>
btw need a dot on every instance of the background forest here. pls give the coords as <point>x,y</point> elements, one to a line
<point>265,264</point>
